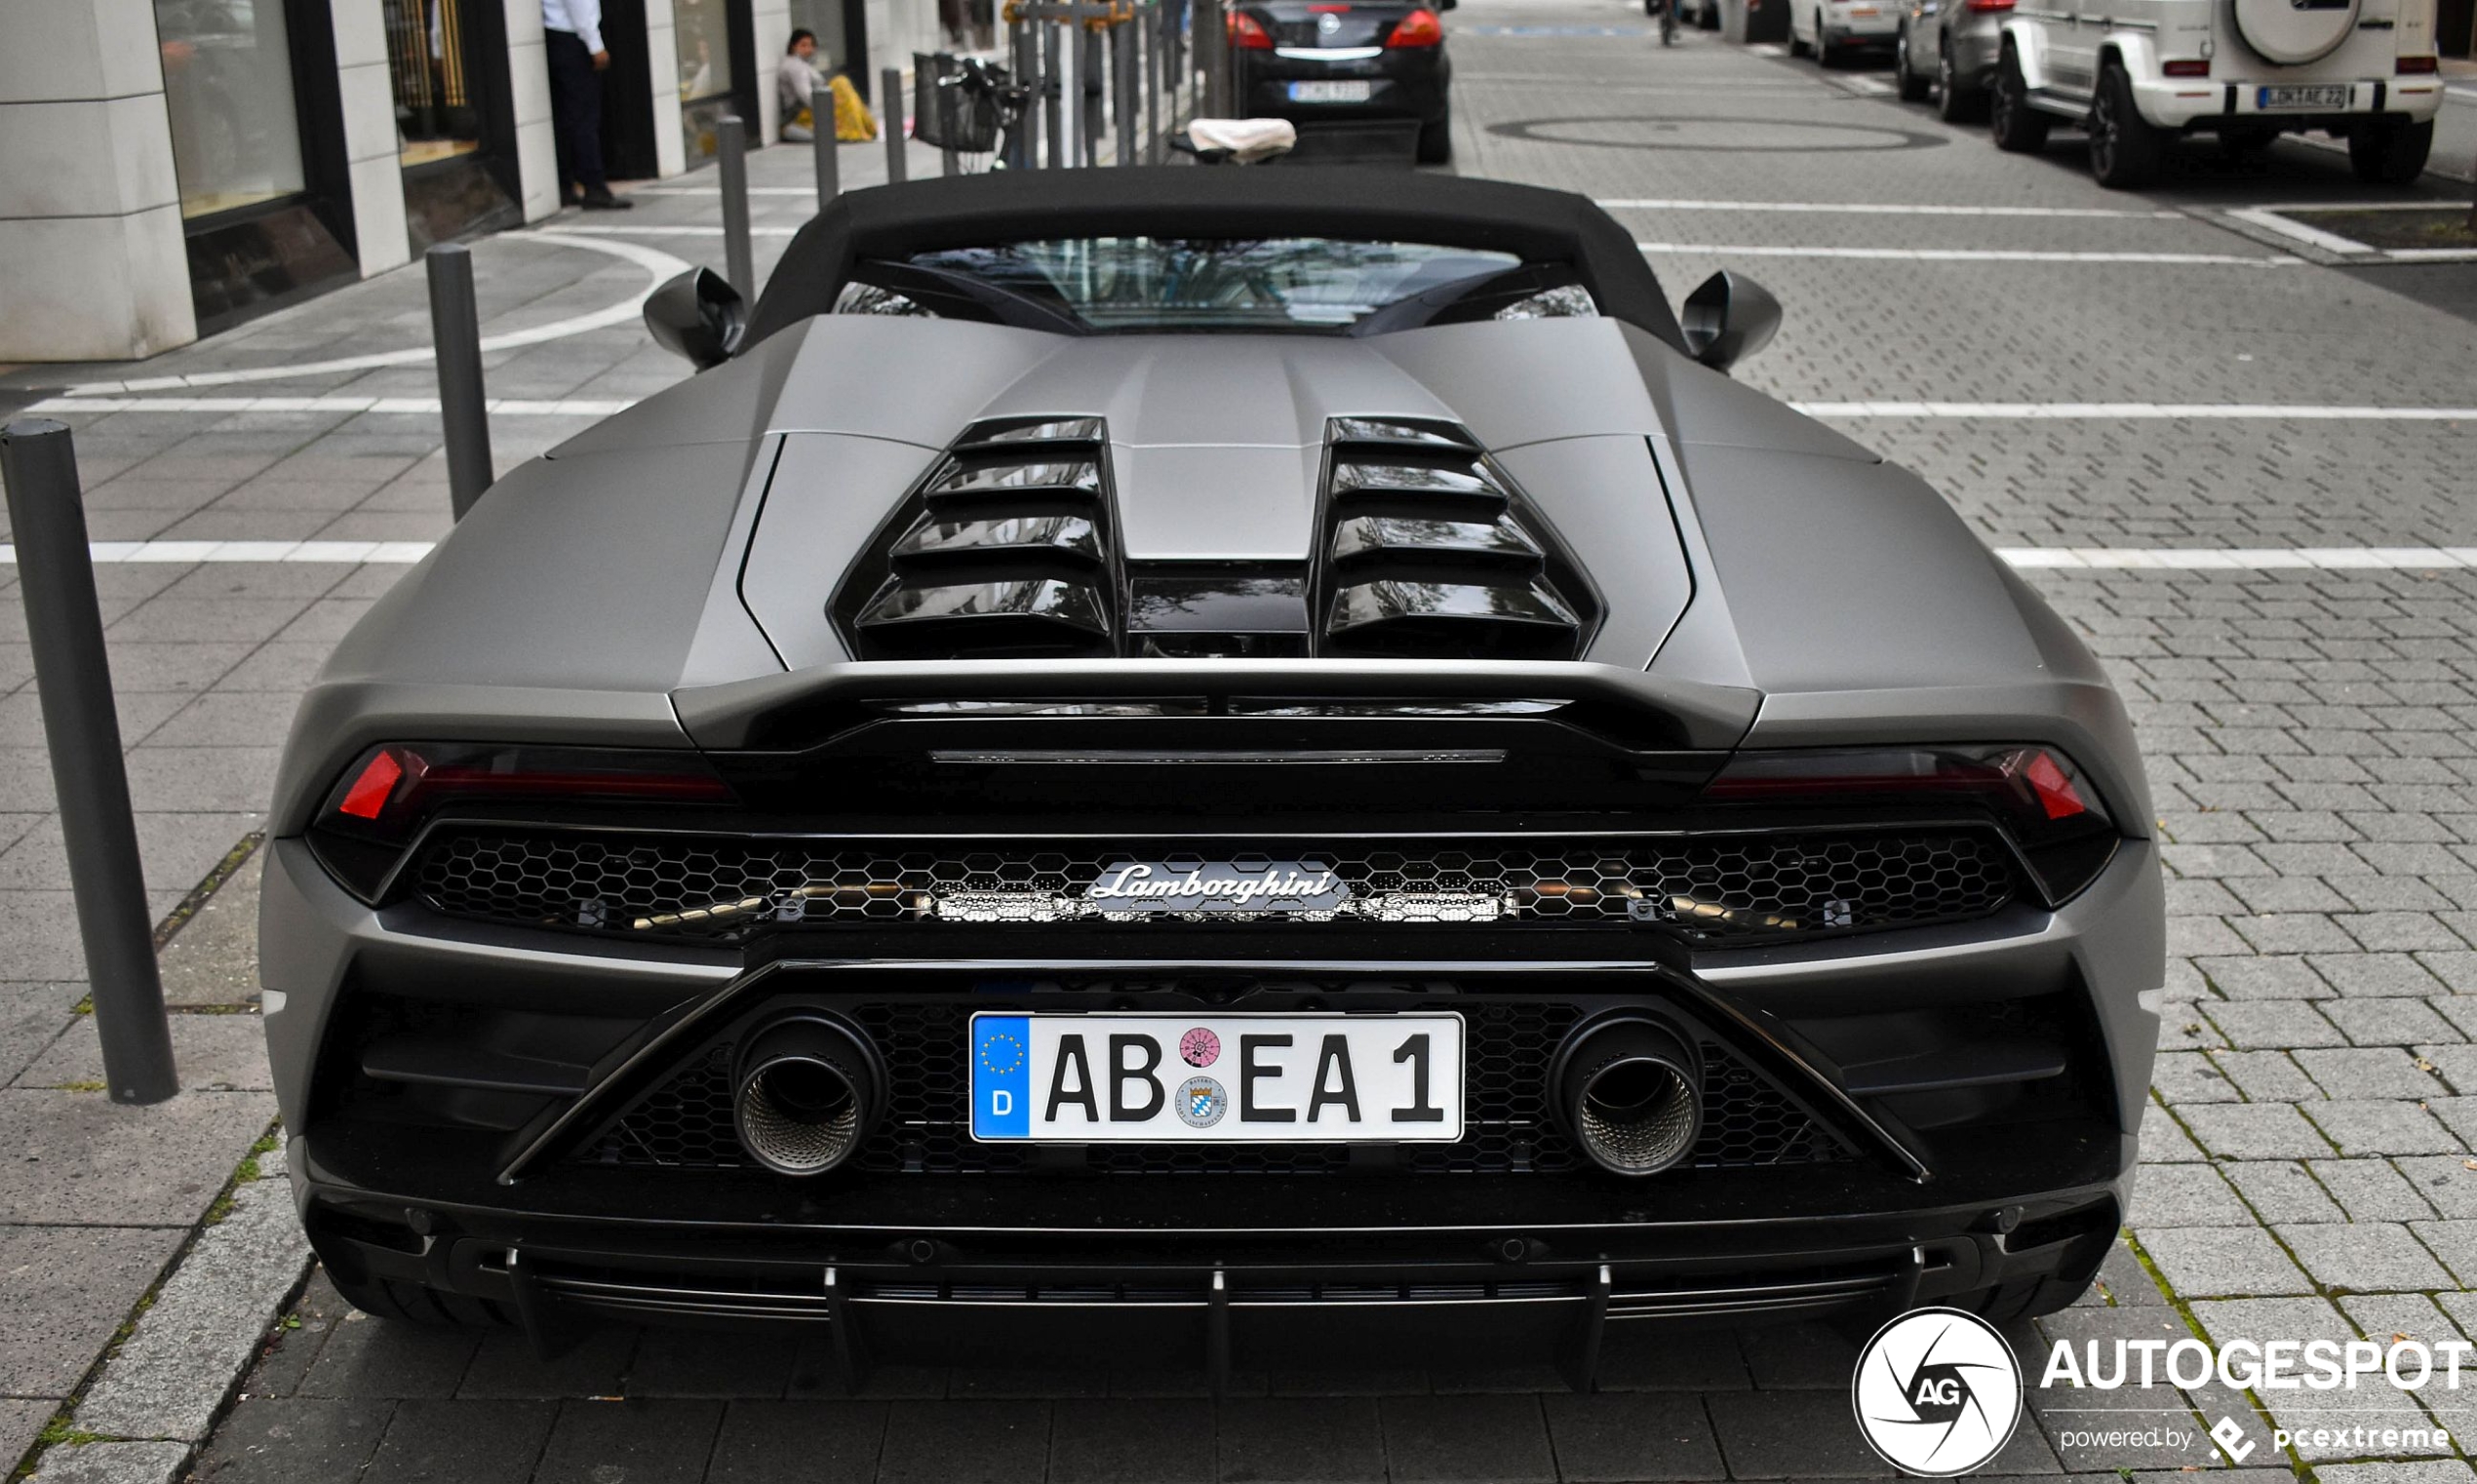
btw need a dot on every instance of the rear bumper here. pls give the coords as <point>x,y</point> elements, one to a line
<point>1451,1282</point>
<point>1207,1269</point>
<point>1401,86</point>
<point>1845,30</point>
<point>2186,103</point>
<point>1975,51</point>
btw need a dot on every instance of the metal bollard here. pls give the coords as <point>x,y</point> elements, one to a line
<point>1052,94</point>
<point>1089,81</point>
<point>731,162</point>
<point>891,115</point>
<point>829,165</point>
<point>1023,60</point>
<point>1154,23</point>
<point>455,338</point>
<point>64,628</point>
<point>1129,88</point>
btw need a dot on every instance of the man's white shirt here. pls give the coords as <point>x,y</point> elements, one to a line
<point>582,19</point>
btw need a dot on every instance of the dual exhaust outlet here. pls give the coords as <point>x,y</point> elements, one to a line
<point>808,1089</point>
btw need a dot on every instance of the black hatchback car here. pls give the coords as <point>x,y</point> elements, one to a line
<point>1314,61</point>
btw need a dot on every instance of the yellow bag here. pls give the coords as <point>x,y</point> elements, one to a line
<point>853,121</point>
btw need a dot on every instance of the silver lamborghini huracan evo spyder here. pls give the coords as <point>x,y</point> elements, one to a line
<point>1210,765</point>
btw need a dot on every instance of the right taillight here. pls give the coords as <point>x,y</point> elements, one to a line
<point>1248,33</point>
<point>1418,28</point>
<point>1984,6</point>
<point>2417,67</point>
<point>2035,794</point>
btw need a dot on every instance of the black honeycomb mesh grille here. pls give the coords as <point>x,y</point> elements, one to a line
<point>724,889</point>
<point>687,1123</point>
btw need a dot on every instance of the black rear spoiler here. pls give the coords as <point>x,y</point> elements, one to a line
<point>805,707</point>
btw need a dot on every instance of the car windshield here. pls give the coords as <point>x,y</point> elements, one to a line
<point>1134,284</point>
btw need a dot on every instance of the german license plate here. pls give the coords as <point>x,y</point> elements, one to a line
<point>2323,95</point>
<point>1178,1078</point>
<point>1338,92</point>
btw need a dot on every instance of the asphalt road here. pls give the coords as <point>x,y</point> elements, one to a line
<point>1962,311</point>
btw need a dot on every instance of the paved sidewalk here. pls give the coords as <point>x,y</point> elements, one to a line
<point>2308,1172</point>
<point>100,1201</point>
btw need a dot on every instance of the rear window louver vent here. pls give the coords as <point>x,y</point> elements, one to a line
<point>1429,552</point>
<point>1006,550</point>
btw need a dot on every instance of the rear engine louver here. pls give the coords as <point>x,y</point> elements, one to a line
<point>1429,552</point>
<point>1006,550</point>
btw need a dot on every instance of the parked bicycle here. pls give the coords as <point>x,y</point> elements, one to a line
<point>974,108</point>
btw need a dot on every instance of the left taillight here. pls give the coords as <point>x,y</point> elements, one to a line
<point>2035,794</point>
<point>1418,28</point>
<point>380,803</point>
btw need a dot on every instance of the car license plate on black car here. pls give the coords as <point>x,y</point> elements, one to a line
<point>2329,96</point>
<point>1340,92</point>
<point>1179,1078</point>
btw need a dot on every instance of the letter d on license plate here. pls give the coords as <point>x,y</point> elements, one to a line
<point>1216,1078</point>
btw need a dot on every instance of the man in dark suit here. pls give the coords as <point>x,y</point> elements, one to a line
<point>572,40</point>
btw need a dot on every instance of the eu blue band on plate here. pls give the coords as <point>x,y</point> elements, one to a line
<point>1002,1076</point>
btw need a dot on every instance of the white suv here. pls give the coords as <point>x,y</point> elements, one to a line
<point>2135,73</point>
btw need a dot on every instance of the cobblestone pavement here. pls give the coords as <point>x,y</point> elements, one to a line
<point>2309,1169</point>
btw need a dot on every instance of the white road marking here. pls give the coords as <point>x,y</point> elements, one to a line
<point>1767,49</point>
<point>659,266</point>
<point>1866,87</point>
<point>715,190</point>
<point>1869,209</point>
<point>509,407</point>
<point>2137,411</point>
<point>2241,560</point>
<point>2430,203</point>
<point>1566,85</point>
<point>672,231</point>
<point>2271,221</point>
<point>355,553</point>
<point>1973,254</point>
<point>2045,558</point>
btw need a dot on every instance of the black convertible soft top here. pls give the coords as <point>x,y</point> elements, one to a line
<point>896,221</point>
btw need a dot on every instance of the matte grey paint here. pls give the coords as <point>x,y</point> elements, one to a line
<point>1766,580</point>
<point>1604,500</point>
<point>1807,560</point>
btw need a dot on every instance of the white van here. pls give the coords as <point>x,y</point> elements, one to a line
<point>2137,74</point>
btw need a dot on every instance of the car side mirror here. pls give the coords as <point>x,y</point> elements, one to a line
<point>697,315</point>
<point>1727,319</point>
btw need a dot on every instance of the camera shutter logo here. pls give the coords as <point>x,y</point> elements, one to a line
<point>1938,1392</point>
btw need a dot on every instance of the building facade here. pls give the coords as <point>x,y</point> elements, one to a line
<point>175,167</point>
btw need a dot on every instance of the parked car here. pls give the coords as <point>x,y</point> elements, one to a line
<point>1948,50</point>
<point>1318,62</point>
<point>2137,74</point>
<point>1210,767</point>
<point>1838,31</point>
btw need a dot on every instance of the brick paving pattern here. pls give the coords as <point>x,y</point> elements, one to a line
<point>2309,1169</point>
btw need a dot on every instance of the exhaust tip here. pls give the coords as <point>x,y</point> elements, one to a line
<point>807,1093</point>
<point>1632,1093</point>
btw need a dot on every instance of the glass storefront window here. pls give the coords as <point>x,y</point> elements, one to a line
<point>436,117</point>
<point>704,38</point>
<point>825,17</point>
<point>236,138</point>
